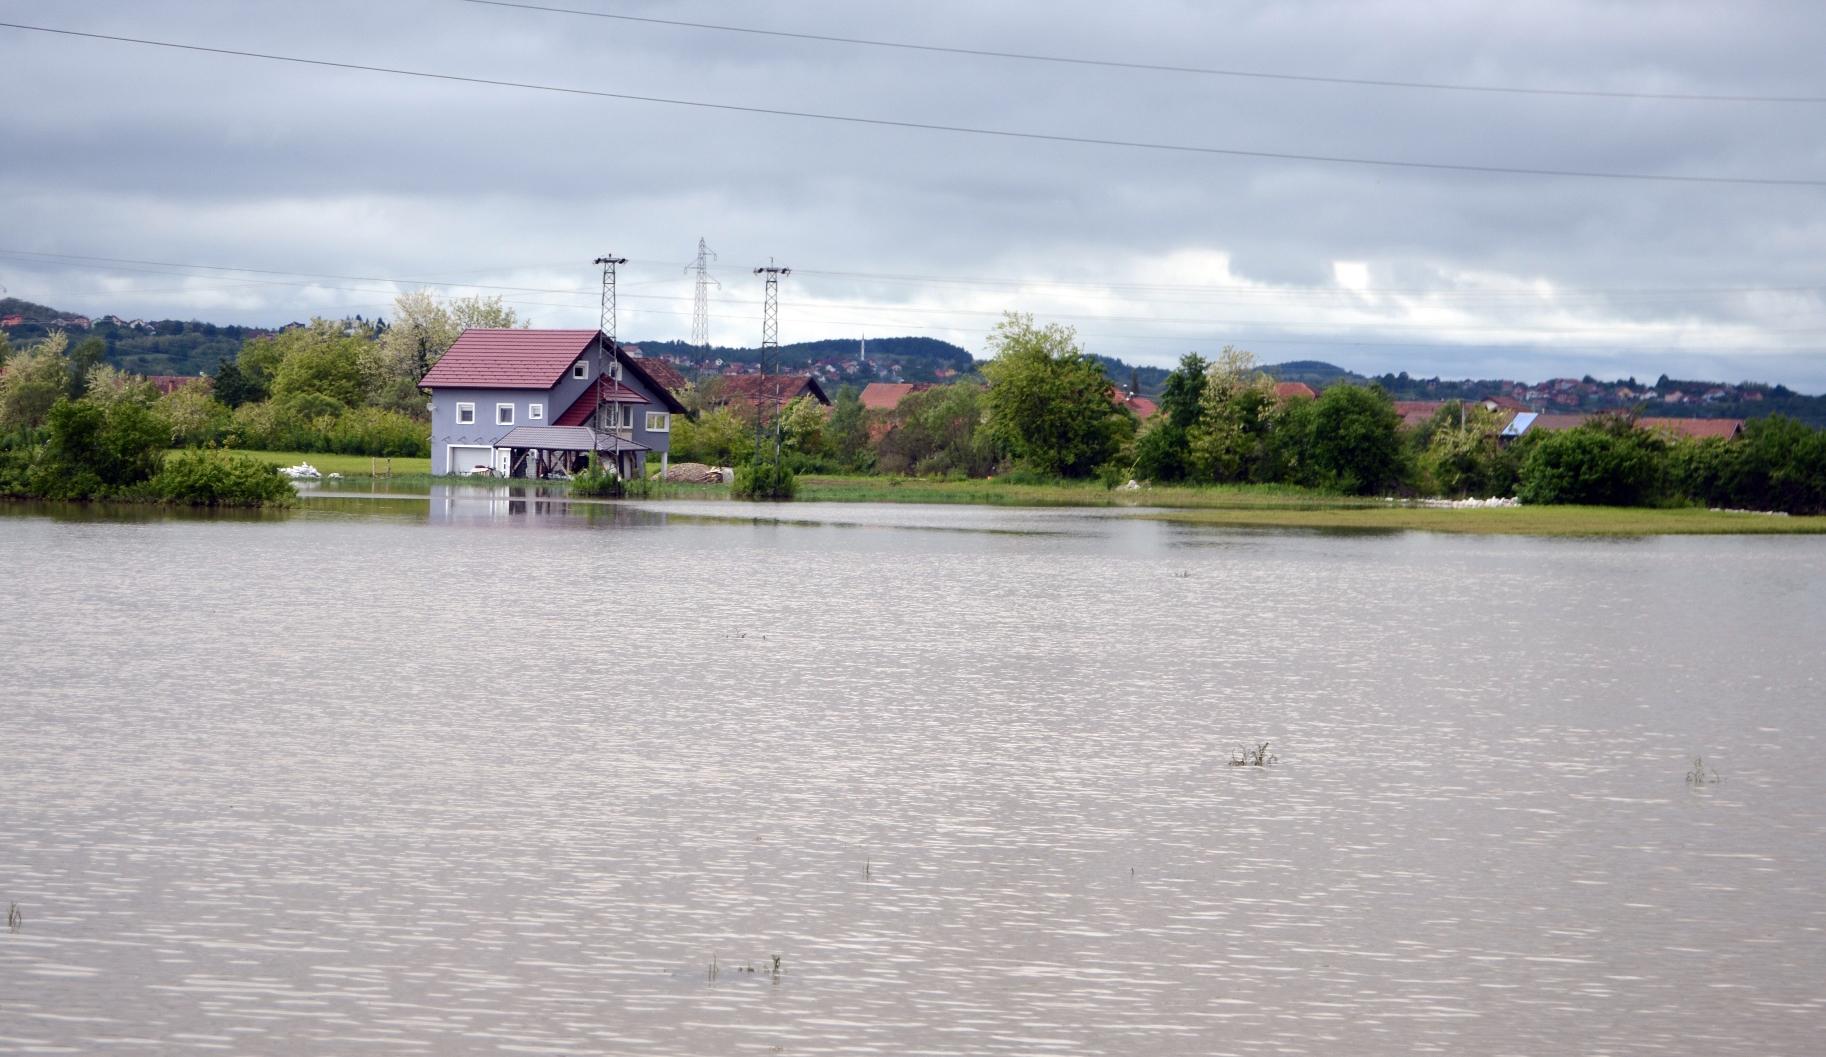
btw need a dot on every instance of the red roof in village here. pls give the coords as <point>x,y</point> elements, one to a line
<point>169,383</point>
<point>664,373</point>
<point>508,359</point>
<point>1697,428</point>
<point>1417,413</point>
<point>886,396</point>
<point>1552,423</point>
<point>1289,390</point>
<point>776,389</point>
<point>612,392</point>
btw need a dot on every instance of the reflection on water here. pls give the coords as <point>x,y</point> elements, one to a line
<point>406,783</point>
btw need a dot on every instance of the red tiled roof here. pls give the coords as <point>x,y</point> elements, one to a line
<point>168,383</point>
<point>1697,428</point>
<point>1143,407</point>
<point>508,359</point>
<point>886,396</point>
<point>584,406</point>
<point>776,389</point>
<point>1289,390</point>
<point>1551,423</point>
<point>1416,413</point>
<point>665,374</point>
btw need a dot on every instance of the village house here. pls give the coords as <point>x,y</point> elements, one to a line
<point>767,391</point>
<point>523,403</point>
<point>886,396</point>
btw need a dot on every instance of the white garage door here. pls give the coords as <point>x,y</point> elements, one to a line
<point>464,458</point>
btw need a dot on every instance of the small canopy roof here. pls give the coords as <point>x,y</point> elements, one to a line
<point>567,438</point>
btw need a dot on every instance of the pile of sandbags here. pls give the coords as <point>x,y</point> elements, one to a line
<point>696,473</point>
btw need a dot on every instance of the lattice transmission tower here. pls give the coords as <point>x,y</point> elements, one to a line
<point>700,307</point>
<point>770,339</point>
<point>608,413</point>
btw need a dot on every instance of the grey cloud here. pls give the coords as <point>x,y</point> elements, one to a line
<point>120,151</point>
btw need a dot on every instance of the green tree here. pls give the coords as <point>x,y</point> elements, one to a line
<point>108,386</point>
<point>1468,457</point>
<point>93,450</point>
<point>1049,402</point>
<point>848,430</point>
<point>1355,446</point>
<point>322,361</point>
<point>195,416</point>
<point>1604,462</point>
<point>1779,464</point>
<point>939,431</point>
<point>422,329</point>
<point>233,387</point>
<point>718,438</point>
<point>1162,452</point>
<point>84,358</point>
<point>32,381</point>
<point>1228,438</point>
<point>803,426</point>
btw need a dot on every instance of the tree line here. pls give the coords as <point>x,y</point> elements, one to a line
<point>1042,410</point>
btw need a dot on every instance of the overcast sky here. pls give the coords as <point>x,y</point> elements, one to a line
<point>344,186</point>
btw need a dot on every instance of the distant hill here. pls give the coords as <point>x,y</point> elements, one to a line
<point>837,360</point>
<point>171,346</point>
<point>164,346</point>
<point>1316,373</point>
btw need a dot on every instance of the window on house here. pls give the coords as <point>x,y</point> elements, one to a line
<point>615,369</point>
<point>580,369</point>
<point>466,414</point>
<point>535,412</point>
<point>504,414</point>
<point>659,422</point>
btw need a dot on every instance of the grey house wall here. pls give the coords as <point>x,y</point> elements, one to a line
<point>446,432</point>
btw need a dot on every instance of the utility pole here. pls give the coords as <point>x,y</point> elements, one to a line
<point>606,351</point>
<point>770,339</point>
<point>700,307</point>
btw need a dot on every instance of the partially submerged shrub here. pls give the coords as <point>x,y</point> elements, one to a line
<point>219,478</point>
<point>763,480</point>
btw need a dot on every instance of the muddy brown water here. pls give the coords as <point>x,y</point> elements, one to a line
<point>478,778</point>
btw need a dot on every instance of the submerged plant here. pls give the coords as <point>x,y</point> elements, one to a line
<point>1701,774</point>
<point>1256,757</point>
<point>15,920</point>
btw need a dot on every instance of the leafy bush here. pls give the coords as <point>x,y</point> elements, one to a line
<point>597,482</point>
<point>372,431</point>
<point>219,478</point>
<point>1603,463</point>
<point>762,480</point>
<point>91,451</point>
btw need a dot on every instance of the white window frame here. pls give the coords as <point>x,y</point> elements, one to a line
<point>581,369</point>
<point>504,414</point>
<point>665,422</point>
<point>615,370</point>
<point>466,414</point>
<point>535,412</point>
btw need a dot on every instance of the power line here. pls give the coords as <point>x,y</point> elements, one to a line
<point>1013,134</point>
<point>1317,295</point>
<point>1623,330</point>
<point>1204,71</point>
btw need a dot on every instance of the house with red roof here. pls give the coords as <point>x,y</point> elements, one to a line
<point>769,391</point>
<point>1285,391</point>
<point>527,403</point>
<point>886,396</point>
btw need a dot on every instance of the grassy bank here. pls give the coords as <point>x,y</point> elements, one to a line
<point>1007,493</point>
<point>1511,521</point>
<point>1284,506</point>
<point>347,465</point>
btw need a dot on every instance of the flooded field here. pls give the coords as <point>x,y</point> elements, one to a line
<point>478,775</point>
